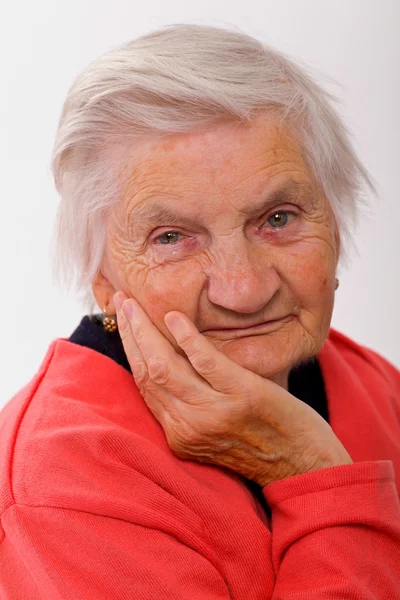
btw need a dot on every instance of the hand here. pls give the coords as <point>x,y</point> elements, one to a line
<point>215,411</point>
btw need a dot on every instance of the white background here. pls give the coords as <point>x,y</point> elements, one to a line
<point>43,46</point>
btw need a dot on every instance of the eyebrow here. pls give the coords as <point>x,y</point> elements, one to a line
<point>292,191</point>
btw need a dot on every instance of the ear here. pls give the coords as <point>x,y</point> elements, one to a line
<point>103,291</point>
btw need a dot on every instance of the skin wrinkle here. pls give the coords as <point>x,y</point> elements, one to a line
<point>294,193</point>
<point>231,275</point>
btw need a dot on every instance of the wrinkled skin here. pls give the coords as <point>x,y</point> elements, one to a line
<point>213,410</point>
<point>227,262</point>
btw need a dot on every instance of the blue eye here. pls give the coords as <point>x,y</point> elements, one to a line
<point>169,237</point>
<point>279,219</point>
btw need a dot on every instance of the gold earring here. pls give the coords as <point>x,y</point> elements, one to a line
<point>109,323</point>
<point>337,283</point>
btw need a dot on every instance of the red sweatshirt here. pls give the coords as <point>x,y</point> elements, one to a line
<point>95,505</point>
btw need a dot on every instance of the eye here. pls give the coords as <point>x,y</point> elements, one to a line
<point>280,219</point>
<point>169,237</point>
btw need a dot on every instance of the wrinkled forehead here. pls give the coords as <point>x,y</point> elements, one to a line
<point>234,161</point>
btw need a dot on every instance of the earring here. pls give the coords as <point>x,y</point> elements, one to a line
<point>109,323</point>
<point>337,283</point>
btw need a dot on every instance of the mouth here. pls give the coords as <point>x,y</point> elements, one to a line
<point>226,333</point>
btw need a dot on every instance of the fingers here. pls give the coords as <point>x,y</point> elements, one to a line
<point>154,359</point>
<point>132,350</point>
<point>140,371</point>
<point>222,373</point>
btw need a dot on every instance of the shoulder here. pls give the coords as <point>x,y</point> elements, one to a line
<point>359,359</point>
<point>79,423</point>
<point>80,437</point>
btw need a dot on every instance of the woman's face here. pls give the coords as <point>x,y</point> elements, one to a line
<point>229,228</point>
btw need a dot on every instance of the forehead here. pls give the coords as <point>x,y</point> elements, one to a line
<point>231,160</point>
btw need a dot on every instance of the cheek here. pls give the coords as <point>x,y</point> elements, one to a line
<point>170,287</point>
<point>309,272</point>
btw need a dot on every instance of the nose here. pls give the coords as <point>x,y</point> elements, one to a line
<point>242,285</point>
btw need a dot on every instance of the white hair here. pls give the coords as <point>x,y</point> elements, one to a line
<point>184,78</point>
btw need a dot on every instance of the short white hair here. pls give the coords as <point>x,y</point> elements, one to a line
<point>184,78</point>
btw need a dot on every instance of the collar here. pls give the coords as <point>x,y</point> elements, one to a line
<point>305,380</point>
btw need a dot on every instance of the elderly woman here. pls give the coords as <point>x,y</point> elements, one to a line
<point>208,435</point>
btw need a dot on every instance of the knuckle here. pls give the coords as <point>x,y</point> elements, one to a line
<point>187,340</point>
<point>204,363</point>
<point>159,370</point>
<point>139,334</point>
<point>140,373</point>
<point>190,344</point>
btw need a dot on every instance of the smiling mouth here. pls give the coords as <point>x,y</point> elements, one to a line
<point>260,329</point>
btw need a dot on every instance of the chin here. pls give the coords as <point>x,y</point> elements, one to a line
<point>269,355</point>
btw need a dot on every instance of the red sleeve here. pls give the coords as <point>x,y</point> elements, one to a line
<point>55,553</point>
<point>336,533</point>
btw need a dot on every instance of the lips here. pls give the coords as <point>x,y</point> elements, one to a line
<point>259,329</point>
